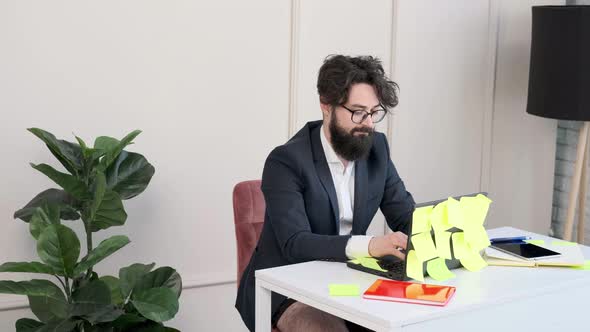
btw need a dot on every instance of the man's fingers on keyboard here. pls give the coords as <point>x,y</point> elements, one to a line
<point>399,239</point>
<point>398,254</point>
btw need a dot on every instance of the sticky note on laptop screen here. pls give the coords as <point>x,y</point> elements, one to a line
<point>439,217</point>
<point>421,219</point>
<point>424,246</point>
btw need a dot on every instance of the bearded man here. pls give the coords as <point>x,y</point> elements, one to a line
<point>323,187</point>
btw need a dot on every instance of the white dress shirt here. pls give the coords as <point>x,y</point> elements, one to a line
<point>343,178</point>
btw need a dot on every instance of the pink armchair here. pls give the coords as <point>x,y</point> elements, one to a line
<point>248,219</point>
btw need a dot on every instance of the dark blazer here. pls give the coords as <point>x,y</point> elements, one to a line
<point>301,220</point>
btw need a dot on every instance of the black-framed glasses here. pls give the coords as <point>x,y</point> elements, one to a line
<point>358,116</point>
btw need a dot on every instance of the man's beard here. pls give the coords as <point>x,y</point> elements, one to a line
<point>349,146</point>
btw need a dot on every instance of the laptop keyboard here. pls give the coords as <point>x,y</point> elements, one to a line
<point>396,268</point>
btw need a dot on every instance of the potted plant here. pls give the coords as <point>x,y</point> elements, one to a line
<point>99,178</point>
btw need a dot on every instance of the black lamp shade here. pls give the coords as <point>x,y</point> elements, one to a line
<point>559,79</point>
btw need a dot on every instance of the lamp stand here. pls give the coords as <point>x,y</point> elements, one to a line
<point>578,187</point>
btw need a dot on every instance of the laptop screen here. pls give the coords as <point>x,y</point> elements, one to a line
<point>452,263</point>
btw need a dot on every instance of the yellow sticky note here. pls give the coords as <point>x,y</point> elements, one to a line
<point>475,209</point>
<point>586,266</point>
<point>476,237</point>
<point>484,206</point>
<point>443,244</point>
<point>455,213</point>
<point>438,270</point>
<point>460,247</point>
<point>371,263</point>
<point>414,267</point>
<point>439,218</point>
<point>536,242</point>
<point>563,243</point>
<point>424,246</point>
<point>421,219</point>
<point>484,199</point>
<point>473,262</point>
<point>469,206</point>
<point>344,290</point>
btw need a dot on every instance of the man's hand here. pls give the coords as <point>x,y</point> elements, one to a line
<point>380,246</point>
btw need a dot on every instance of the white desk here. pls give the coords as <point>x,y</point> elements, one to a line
<point>494,299</point>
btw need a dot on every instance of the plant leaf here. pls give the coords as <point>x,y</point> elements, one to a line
<point>44,216</point>
<point>110,212</point>
<point>39,221</point>
<point>69,183</point>
<point>105,143</point>
<point>161,277</point>
<point>128,139</point>
<point>115,287</point>
<point>58,246</point>
<point>93,303</point>
<point>27,325</point>
<point>81,143</point>
<point>95,292</point>
<point>130,275</point>
<point>36,227</point>
<point>86,152</point>
<point>113,147</point>
<point>102,251</point>
<point>129,175</point>
<point>50,212</point>
<point>50,197</point>
<point>127,321</point>
<point>35,287</point>
<point>99,328</point>
<point>26,267</point>
<point>47,309</point>
<point>83,279</point>
<point>68,154</point>
<point>99,189</point>
<point>46,300</point>
<point>99,313</point>
<point>157,304</point>
<point>65,325</point>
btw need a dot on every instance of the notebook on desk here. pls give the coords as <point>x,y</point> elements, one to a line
<point>394,268</point>
<point>570,256</point>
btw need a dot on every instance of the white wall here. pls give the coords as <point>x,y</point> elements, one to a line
<point>206,81</point>
<point>523,145</point>
<point>443,69</point>
<point>215,85</point>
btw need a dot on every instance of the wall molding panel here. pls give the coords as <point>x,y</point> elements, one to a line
<point>199,281</point>
<point>489,101</point>
<point>294,64</point>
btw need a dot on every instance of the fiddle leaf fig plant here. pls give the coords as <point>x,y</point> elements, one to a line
<point>92,189</point>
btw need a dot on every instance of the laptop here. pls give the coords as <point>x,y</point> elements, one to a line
<point>396,267</point>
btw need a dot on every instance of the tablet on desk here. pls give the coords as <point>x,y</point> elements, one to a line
<point>525,250</point>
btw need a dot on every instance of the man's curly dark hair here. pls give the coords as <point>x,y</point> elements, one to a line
<point>340,72</point>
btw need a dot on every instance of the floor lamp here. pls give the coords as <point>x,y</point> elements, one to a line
<point>559,87</point>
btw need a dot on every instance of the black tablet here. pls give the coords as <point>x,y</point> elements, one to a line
<point>526,250</point>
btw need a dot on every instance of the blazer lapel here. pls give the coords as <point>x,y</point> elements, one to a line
<point>324,174</point>
<point>361,184</point>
